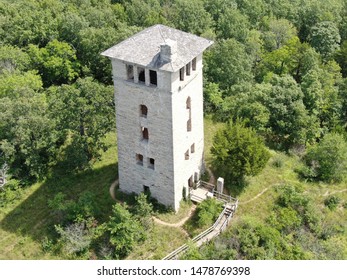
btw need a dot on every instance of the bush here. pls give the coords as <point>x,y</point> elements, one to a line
<point>10,192</point>
<point>332,202</point>
<point>75,238</point>
<point>238,152</point>
<point>327,160</point>
<point>208,211</point>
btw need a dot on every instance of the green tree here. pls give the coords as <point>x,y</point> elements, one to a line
<point>289,122</point>
<point>207,212</point>
<point>28,137</point>
<point>13,58</point>
<point>57,62</point>
<point>85,112</point>
<point>233,24</point>
<point>279,33</point>
<point>190,16</point>
<point>328,159</point>
<point>325,38</point>
<point>144,211</point>
<point>125,231</point>
<point>144,13</point>
<point>92,41</point>
<point>16,84</point>
<point>321,95</point>
<point>238,152</point>
<point>228,64</point>
<point>341,58</point>
<point>294,58</point>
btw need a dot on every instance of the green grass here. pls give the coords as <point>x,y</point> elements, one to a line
<point>26,222</point>
<point>172,217</point>
<point>161,241</point>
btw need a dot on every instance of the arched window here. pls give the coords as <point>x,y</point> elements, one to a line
<point>188,103</point>
<point>143,111</point>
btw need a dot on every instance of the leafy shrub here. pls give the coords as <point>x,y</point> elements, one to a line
<point>67,210</point>
<point>277,162</point>
<point>124,230</point>
<point>238,152</point>
<point>332,202</point>
<point>10,192</point>
<point>208,211</point>
<point>327,160</point>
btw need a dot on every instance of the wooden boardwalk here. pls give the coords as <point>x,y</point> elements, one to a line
<point>203,191</point>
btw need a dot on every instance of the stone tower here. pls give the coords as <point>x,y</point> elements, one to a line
<point>157,76</point>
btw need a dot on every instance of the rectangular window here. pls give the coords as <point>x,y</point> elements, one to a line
<point>194,64</point>
<point>192,148</point>
<point>141,73</point>
<point>151,163</point>
<point>146,189</point>
<point>145,134</point>
<point>188,69</point>
<point>139,159</point>
<point>130,72</point>
<point>186,155</point>
<point>182,74</point>
<point>153,77</point>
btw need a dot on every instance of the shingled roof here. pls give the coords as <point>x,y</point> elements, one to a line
<point>143,48</point>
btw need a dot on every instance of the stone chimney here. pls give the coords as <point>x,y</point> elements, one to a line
<point>168,51</point>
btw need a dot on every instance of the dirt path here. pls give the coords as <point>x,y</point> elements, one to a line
<point>340,191</point>
<point>178,224</point>
<point>266,189</point>
<point>255,197</point>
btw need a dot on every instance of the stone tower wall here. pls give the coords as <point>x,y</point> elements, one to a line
<point>166,122</point>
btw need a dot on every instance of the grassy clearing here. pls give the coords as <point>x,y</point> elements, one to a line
<point>162,240</point>
<point>25,223</point>
<point>172,217</point>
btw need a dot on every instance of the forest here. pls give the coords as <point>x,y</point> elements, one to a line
<point>275,104</point>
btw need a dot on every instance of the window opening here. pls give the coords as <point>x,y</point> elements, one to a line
<point>139,159</point>
<point>194,64</point>
<point>190,182</point>
<point>145,133</point>
<point>146,189</point>
<point>151,163</point>
<point>182,74</point>
<point>186,155</point>
<point>143,111</point>
<point>153,77</point>
<point>192,148</point>
<point>188,69</point>
<point>141,73</point>
<point>130,72</point>
<point>188,103</point>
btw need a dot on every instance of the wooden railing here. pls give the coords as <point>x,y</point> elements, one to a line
<point>217,227</point>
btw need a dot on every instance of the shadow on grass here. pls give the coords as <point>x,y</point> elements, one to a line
<point>35,219</point>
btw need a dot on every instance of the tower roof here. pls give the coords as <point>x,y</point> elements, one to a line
<point>144,48</point>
